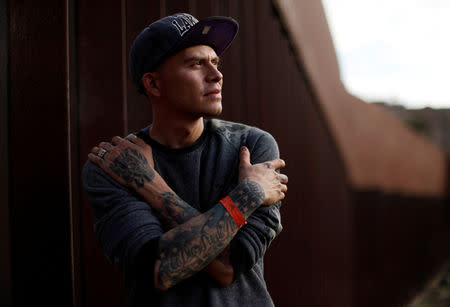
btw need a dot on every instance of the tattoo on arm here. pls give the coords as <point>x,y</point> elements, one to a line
<point>174,211</point>
<point>187,249</point>
<point>247,197</point>
<point>177,209</point>
<point>131,165</point>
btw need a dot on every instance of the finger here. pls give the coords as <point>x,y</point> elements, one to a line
<point>105,150</point>
<point>116,140</point>
<point>244,156</point>
<point>282,195</point>
<point>95,150</point>
<point>283,178</point>
<point>277,163</point>
<point>96,159</point>
<point>130,137</point>
<point>106,146</point>
<point>138,141</point>
<point>283,188</point>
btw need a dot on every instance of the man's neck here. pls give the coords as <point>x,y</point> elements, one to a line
<point>176,133</point>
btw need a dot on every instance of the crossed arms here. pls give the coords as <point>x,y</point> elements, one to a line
<point>192,241</point>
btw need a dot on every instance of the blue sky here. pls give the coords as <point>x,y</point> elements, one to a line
<point>396,51</point>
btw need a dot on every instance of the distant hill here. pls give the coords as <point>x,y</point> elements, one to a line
<point>432,123</point>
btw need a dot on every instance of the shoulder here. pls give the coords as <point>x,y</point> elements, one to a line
<point>232,132</point>
<point>98,185</point>
<point>237,133</point>
<point>92,175</point>
<point>262,144</point>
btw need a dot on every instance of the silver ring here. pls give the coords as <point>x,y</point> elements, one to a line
<point>101,153</point>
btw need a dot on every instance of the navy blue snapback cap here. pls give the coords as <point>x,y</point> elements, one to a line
<point>171,34</point>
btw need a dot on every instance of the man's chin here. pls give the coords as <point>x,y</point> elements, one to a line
<point>212,115</point>
<point>212,112</point>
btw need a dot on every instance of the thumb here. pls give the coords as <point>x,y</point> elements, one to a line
<point>244,156</point>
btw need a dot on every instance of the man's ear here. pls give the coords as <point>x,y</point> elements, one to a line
<point>151,84</point>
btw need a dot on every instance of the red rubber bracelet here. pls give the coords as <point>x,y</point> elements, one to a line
<point>233,210</point>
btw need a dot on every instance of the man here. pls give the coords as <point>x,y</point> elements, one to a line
<point>187,206</point>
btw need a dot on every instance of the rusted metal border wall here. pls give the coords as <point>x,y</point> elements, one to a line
<point>397,179</point>
<point>372,142</point>
<point>317,214</point>
<point>69,88</point>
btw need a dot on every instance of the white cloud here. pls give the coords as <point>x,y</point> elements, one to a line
<point>393,50</point>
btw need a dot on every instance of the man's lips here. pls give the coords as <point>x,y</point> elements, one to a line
<point>213,92</point>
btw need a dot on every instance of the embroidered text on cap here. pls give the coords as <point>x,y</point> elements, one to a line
<point>184,22</point>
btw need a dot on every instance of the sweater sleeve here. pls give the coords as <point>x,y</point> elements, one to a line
<point>123,223</point>
<point>252,240</point>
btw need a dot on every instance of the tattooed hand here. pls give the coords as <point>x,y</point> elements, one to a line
<point>273,183</point>
<point>129,161</point>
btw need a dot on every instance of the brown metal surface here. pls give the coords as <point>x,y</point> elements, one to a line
<point>5,233</point>
<point>101,116</point>
<point>400,243</point>
<point>73,154</point>
<point>140,13</point>
<point>176,6</point>
<point>316,214</point>
<point>233,70</point>
<point>39,196</point>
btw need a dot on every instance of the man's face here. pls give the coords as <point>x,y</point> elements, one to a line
<point>190,82</point>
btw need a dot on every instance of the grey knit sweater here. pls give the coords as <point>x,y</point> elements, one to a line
<point>201,174</point>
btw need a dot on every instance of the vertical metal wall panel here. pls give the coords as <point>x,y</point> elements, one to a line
<point>399,245</point>
<point>5,233</point>
<point>232,67</point>
<point>140,13</point>
<point>100,71</point>
<point>250,76</point>
<point>316,214</point>
<point>177,6</point>
<point>204,8</point>
<point>101,113</point>
<point>39,193</point>
<point>75,189</point>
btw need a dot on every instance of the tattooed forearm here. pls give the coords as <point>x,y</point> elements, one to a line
<point>248,197</point>
<point>132,166</point>
<point>174,211</point>
<point>177,209</point>
<point>188,248</point>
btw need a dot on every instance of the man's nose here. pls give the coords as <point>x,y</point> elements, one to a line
<point>214,74</point>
